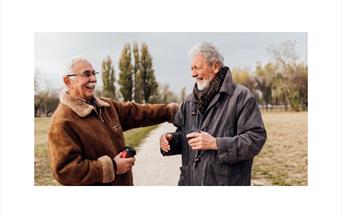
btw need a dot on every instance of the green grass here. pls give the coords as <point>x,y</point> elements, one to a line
<point>42,172</point>
<point>133,137</point>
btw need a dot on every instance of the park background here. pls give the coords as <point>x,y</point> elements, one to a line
<point>21,19</point>
<point>154,68</point>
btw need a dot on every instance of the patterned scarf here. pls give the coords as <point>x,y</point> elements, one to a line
<point>205,96</point>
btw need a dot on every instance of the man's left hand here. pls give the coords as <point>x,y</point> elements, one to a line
<point>201,141</point>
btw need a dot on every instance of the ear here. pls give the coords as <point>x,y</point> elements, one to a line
<point>216,67</point>
<point>67,81</point>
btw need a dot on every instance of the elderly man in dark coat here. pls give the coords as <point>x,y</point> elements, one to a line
<point>219,125</point>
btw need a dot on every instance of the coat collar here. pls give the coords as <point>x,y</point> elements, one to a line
<point>79,105</point>
<point>228,85</point>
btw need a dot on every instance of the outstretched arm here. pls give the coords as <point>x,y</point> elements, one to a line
<point>132,115</point>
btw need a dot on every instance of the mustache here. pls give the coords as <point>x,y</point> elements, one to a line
<point>91,85</point>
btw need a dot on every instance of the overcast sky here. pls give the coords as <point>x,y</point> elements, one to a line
<point>169,51</point>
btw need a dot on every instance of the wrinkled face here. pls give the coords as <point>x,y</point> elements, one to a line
<point>79,85</point>
<point>203,72</point>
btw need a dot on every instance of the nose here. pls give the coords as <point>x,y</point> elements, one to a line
<point>92,78</point>
<point>194,73</point>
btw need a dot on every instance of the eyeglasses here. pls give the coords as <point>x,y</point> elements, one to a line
<point>85,74</point>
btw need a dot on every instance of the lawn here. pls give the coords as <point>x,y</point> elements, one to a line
<point>42,174</point>
<point>282,161</point>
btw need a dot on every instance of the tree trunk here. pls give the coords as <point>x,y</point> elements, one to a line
<point>35,111</point>
<point>292,105</point>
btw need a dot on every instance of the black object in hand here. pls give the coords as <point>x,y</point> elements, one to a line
<point>128,152</point>
<point>192,131</point>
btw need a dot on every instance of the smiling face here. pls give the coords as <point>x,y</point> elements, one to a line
<point>81,86</point>
<point>203,71</point>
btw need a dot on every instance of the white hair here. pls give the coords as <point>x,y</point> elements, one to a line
<point>208,50</point>
<point>69,67</point>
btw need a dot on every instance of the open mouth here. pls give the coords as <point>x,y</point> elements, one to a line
<point>200,80</point>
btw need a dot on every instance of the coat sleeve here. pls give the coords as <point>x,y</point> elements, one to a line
<point>251,134</point>
<point>133,115</point>
<point>69,166</point>
<point>178,137</point>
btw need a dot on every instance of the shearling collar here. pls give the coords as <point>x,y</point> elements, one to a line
<point>78,105</point>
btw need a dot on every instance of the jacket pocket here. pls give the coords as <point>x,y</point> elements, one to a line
<point>118,137</point>
<point>116,127</point>
<point>217,174</point>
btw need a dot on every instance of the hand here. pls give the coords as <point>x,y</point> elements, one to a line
<point>201,141</point>
<point>165,142</point>
<point>123,164</point>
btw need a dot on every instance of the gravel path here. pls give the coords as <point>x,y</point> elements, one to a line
<point>151,168</point>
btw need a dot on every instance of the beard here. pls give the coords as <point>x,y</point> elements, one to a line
<point>203,85</point>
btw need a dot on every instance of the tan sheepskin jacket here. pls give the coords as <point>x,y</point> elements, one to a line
<point>82,141</point>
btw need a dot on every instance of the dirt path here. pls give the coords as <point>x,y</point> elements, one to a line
<point>151,168</point>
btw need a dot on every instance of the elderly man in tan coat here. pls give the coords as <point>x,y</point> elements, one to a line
<point>85,136</point>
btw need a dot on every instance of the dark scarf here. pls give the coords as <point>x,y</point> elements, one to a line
<point>205,96</point>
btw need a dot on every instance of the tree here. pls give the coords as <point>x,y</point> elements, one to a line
<point>244,77</point>
<point>126,76</point>
<point>264,79</point>
<point>294,75</point>
<point>138,91</point>
<point>302,84</point>
<point>38,102</point>
<point>149,84</point>
<point>108,78</point>
<point>297,86</point>
<point>164,95</point>
<point>39,95</point>
<point>279,90</point>
<point>51,102</point>
<point>183,94</point>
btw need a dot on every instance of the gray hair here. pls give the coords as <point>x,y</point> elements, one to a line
<point>208,50</point>
<point>68,67</point>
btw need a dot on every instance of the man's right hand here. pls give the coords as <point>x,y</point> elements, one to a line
<point>123,164</point>
<point>165,142</point>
